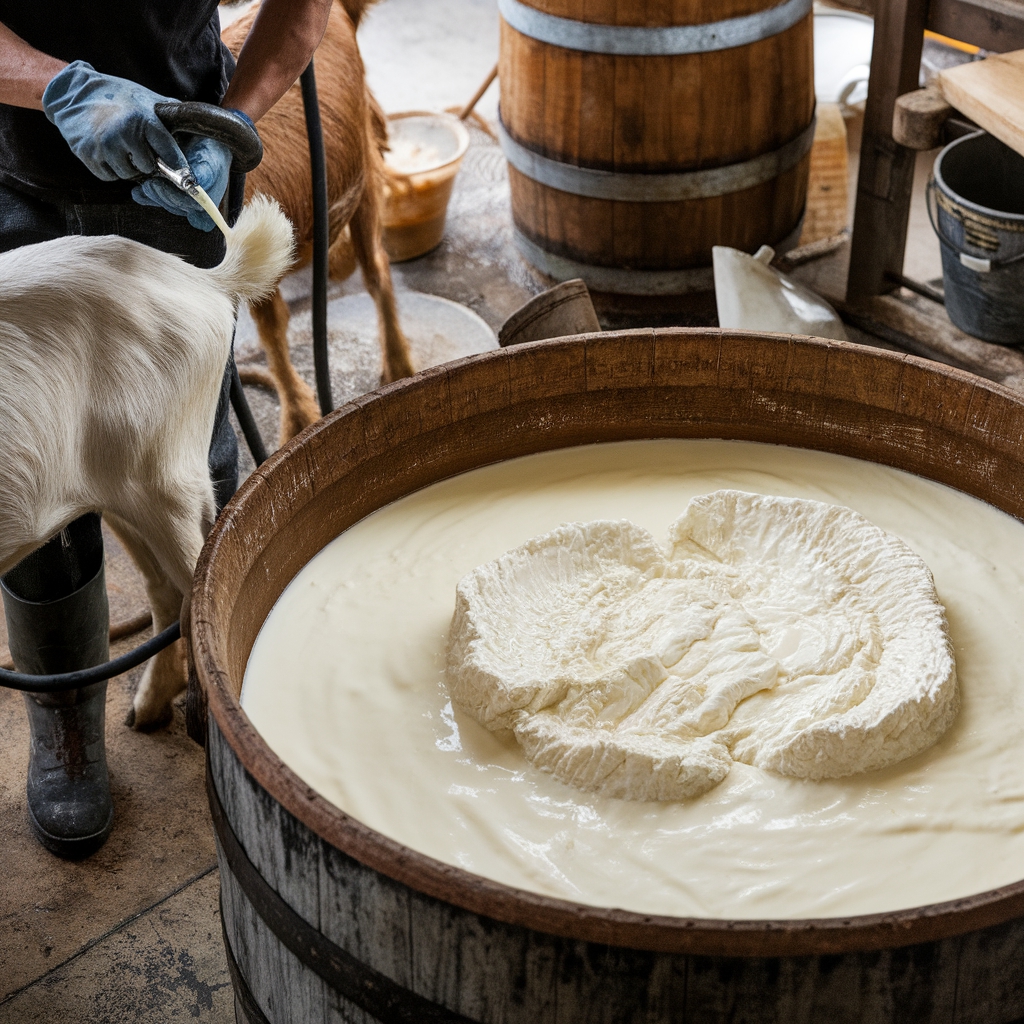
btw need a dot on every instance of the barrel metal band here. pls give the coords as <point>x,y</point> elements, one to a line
<point>645,41</point>
<point>656,188</point>
<point>382,998</point>
<point>619,281</point>
<point>614,279</point>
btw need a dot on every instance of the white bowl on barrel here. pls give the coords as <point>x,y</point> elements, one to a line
<point>326,919</point>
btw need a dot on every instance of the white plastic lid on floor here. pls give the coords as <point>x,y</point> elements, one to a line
<point>438,331</point>
<point>842,56</point>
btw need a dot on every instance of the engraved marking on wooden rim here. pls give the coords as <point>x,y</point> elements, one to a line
<point>655,188</point>
<point>651,41</point>
<point>620,281</point>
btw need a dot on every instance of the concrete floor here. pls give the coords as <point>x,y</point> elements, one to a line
<point>133,933</point>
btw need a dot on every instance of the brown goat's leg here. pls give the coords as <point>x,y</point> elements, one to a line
<point>341,257</point>
<point>298,403</point>
<point>365,228</point>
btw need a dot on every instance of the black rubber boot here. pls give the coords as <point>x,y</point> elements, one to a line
<point>68,788</point>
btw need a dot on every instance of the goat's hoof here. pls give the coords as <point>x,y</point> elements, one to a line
<point>295,417</point>
<point>294,425</point>
<point>149,722</point>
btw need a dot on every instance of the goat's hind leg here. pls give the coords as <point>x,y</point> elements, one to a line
<point>165,546</point>
<point>298,403</point>
<point>365,229</point>
<point>165,670</point>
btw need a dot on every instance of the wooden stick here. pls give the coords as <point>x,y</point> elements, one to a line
<point>468,109</point>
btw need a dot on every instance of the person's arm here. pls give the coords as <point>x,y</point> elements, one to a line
<point>24,71</point>
<point>276,51</point>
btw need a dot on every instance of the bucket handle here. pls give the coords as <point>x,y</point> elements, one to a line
<point>976,263</point>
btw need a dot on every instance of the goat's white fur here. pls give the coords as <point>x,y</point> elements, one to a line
<point>111,358</point>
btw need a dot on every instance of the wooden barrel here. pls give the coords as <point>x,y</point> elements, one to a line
<point>639,135</point>
<point>326,920</point>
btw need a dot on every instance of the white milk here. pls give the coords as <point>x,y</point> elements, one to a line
<point>346,684</point>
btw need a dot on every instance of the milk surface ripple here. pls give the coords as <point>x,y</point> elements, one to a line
<point>346,683</point>
<point>788,634</point>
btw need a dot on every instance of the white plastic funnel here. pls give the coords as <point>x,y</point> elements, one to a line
<point>753,297</point>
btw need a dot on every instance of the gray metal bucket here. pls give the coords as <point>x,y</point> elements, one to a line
<point>976,205</point>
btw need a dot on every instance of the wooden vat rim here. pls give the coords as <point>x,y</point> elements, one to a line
<point>713,937</point>
<point>653,40</point>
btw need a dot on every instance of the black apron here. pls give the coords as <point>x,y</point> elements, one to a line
<point>170,46</point>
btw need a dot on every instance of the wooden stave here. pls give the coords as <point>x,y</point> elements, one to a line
<point>943,408</point>
<point>647,236</point>
<point>568,119</point>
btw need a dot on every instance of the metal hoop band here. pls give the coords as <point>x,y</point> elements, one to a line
<point>655,188</point>
<point>642,41</point>
<point>619,281</point>
<point>613,279</point>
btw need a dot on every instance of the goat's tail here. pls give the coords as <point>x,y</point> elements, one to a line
<point>259,251</point>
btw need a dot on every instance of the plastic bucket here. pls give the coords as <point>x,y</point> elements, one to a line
<point>976,205</point>
<point>426,150</point>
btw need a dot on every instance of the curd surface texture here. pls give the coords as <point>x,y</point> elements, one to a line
<point>346,684</point>
<point>789,634</point>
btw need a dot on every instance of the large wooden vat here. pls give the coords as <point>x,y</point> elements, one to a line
<point>325,919</point>
<point>641,134</point>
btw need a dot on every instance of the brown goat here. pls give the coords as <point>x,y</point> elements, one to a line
<point>355,134</point>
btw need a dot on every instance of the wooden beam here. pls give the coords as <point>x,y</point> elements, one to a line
<point>991,24</point>
<point>921,326</point>
<point>886,177</point>
<point>919,118</point>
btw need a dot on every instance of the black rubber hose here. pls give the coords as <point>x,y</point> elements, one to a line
<point>97,674</point>
<point>321,239</point>
<point>246,420</point>
<point>215,123</point>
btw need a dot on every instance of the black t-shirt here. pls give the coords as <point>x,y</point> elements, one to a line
<point>170,46</point>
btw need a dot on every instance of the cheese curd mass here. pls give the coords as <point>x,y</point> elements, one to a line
<point>346,684</point>
<point>789,634</point>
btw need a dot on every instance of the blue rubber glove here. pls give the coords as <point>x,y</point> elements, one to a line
<point>210,161</point>
<point>109,123</point>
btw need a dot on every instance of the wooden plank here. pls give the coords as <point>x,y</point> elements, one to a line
<point>910,322</point>
<point>920,326</point>
<point>828,182</point>
<point>919,118</point>
<point>886,177</point>
<point>991,92</point>
<point>996,25</point>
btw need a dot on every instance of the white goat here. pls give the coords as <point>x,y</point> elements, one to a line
<point>111,358</point>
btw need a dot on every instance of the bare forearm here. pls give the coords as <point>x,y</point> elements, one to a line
<point>24,71</point>
<point>277,50</point>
